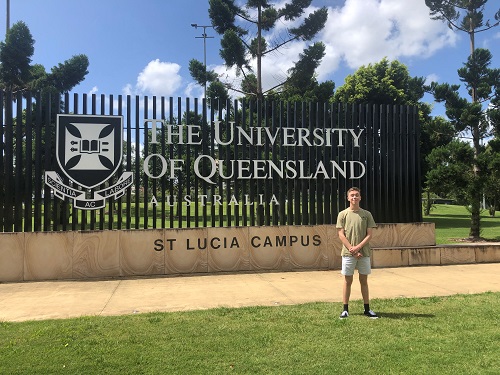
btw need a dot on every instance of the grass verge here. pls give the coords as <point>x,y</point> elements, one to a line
<point>453,224</point>
<point>438,335</point>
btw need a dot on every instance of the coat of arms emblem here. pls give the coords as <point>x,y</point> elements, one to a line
<point>89,152</point>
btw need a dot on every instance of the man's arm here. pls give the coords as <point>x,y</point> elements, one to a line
<point>343,238</point>
<point>367,238</point>
<point>355,249</point>
<point>347,244</point>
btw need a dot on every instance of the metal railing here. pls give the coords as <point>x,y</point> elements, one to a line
<point>287,163</point>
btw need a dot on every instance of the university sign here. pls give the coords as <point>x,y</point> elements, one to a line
<point>89,152</point>
<point>130,162</point>
<point>124,186</point>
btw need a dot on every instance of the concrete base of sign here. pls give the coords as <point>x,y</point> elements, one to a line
<point>125,253</point>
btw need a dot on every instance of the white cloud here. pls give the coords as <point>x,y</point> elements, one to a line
<point>94,90</point>
<point>159,78</point>
<point>365,31</point>
<point>194,90</point>
<point>128,89</point>
<point>431,78</point>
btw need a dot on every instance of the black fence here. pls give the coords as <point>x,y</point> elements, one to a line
<point>252,163</point>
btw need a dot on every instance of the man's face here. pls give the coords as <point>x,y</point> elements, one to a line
<point>354,197</point>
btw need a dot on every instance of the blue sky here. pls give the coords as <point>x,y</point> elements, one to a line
<point>144,47</point>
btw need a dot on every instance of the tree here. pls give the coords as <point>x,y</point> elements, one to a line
<point>451,171</point>
<point>381,83</point>
<point>492,185</point>
<point>15,57</point>
<point>437,132</point>
<point>216,92</point>
<point>302,83</point>
<point>463,15</point>
<point>238,47</point>
<point>482,83</point>
<point>17,73</point>
<point>389,82</point>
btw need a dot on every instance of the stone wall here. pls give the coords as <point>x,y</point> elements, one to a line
<point>126,253</point>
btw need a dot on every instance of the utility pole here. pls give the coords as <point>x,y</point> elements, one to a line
<point>7,23</point>
<point>204,36</point>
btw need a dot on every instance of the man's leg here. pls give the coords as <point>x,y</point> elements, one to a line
<point>363,280</point>
<point>348,265</point>
<point>347,289</point>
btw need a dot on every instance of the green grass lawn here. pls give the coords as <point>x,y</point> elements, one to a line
<point>438,335</point>
<point>453,224</point>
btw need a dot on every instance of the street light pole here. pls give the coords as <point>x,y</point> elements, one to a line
<point>204,36</point>
<point>7,23</point>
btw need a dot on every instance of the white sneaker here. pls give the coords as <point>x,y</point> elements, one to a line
<point>344,315</point>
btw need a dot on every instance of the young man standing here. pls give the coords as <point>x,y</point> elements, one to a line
<point>355,230</point>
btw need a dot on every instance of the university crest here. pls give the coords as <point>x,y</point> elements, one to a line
<point>89,152</point>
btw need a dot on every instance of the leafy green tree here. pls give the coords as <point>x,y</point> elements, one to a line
<point>302,83</point>
<point>492,185</point>
<point>381,83</point>
<point>436,132</point>
<point>15,57</point>
<point>451,172</point>
<point>482,84</point>
<point>389,82</point>
<point>463,15</point>
<point>238,47</point>
<point>17,73</point>
<point>216,91</point>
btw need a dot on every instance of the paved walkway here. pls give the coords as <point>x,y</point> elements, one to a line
<point>65,299</point>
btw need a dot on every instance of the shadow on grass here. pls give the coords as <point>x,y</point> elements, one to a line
<point>403,315</point>
<point>454,221</point>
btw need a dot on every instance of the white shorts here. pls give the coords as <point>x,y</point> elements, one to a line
<point>349,264</point>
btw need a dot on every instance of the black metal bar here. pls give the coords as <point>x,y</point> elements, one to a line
<point>37,214</point>
<point>213,187</point>
<point>18,191</point>
<point>128,207</point>
<point>326,158</point>
<point>163,178</point>
<point>47,165</point>
<point>119,201</point>
<point>171,203</point>
<point>297,183</point>
<point>145,214</point>
<point>9,162</point>
<point>244,156</point>
<point>154,180</point>
<point>180,176</point>
<point>418,163</point>
<point>2,164</point>
<point>93,214</point>
<point>251,157</point>
<point>235,180</point>
<point>28,180</point>
<point>137,178</point>
<point>285,154</point>
<point>188,164</point>
<point>229,168</point>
